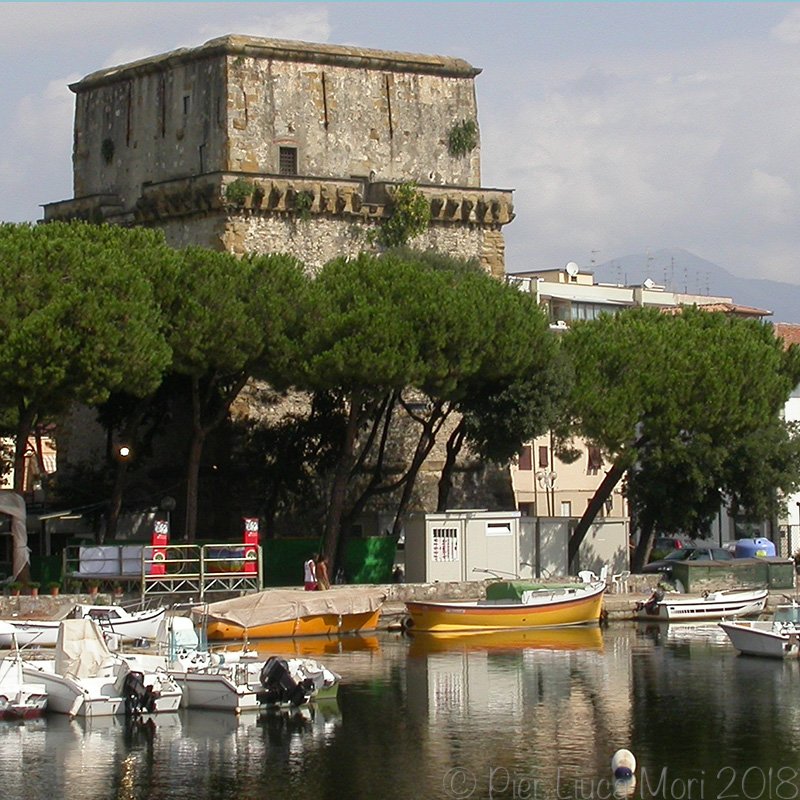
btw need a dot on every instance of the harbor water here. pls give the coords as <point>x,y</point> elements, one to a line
<point>522,715</point>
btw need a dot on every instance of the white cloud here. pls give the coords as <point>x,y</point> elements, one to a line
<point>788,29</point>
<point>697,149</point>
<point>309,24</point>
<point>36,151</point>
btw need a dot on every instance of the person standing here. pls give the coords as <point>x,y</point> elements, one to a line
<point>310,574</point>
<point>323,581</point>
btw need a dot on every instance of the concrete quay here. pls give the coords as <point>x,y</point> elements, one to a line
<point>617,607</point>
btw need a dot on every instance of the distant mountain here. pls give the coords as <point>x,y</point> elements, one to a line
<point>681,271</point>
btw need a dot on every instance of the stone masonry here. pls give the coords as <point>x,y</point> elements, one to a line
<point>158,141</point>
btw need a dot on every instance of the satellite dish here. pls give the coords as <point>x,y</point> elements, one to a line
<point>572,269</point>
<point>649,283</point>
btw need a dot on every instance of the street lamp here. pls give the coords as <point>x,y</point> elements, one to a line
<point>547,480</point>
<point>167,505</point>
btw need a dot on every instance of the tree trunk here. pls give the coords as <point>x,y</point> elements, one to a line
<point>25,423</point>
<point>641,555</point>
<point>333,519</point>
<point>200,432</point>
<point>192,482</point>
<point>604,490</point>
<point>453,448</point>
<point>424,446</point>
<point>115,503</point>
<point>193,464</point>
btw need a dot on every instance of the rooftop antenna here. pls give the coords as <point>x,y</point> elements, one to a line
<point>685,279</point>
<point>593,259</point>
<point>672,272</point>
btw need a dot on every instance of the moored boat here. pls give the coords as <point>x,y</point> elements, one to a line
<point>778,637</point>
<point>127,625</point>
<point>285,613</point>
<point>723,604</point>
<point>575,604</point>
<point>86,679</point>
<point>235,681</point>
<point>19,699</point>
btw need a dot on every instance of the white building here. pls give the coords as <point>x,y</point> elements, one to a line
<point>547,487</point>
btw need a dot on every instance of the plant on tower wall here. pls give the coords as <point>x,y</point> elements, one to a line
<point>239,191</point>
<point>302,205</point>
<point>463,138</point>
<point>409,216</point>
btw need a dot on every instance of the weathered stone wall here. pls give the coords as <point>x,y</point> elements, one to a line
<point>347,120</point>
<point>320,239</point>
<point>231,104</point>
<point>158,141</point>
<point>162,124</point>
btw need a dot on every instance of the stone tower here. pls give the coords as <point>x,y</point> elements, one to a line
<point>317,135</point>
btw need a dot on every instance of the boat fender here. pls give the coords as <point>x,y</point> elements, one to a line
<point>623,764</point>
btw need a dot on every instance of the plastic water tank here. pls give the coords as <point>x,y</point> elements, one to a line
<point>754,548</point>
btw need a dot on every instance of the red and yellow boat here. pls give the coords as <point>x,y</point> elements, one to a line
<point>286,613</point>
<point>577,604</point>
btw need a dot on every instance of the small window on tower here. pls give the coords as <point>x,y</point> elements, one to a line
<point>287,161</point>
<point>187,103</point>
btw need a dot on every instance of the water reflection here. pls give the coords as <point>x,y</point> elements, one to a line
<point>514,716</point>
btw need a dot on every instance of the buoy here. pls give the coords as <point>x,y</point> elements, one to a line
<point>623,764</point>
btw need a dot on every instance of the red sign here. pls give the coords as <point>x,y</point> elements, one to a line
<point>250,544</point>
<point>159,542</point>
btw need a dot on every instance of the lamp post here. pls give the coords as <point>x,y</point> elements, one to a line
<point>167,505</point>
<point>547,480</point>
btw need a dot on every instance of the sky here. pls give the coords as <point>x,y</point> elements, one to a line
<point>621,127</point>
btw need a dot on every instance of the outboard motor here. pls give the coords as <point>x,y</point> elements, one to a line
<point>138,697</point>
<point>280,687</point>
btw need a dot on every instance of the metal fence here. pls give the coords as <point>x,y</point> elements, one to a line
<point>177,569</point>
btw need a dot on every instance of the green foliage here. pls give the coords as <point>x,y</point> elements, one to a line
<point>302,205</point>
<point>687,401</point>
<point>409,216</point>
<point>79,318</point>
<point>463,138</point>
<point>229,319</point>
<point>238,192</point>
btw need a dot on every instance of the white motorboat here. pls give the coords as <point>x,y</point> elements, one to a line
<point>236,680</point>
<point>724,604</point>
<point>19,699</point>
<point>127,625</point>
<point>86,679</point>
<point>778,637</point>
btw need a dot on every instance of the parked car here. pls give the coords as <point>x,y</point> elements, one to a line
<point>664,565</point>
<point>668,543</point>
